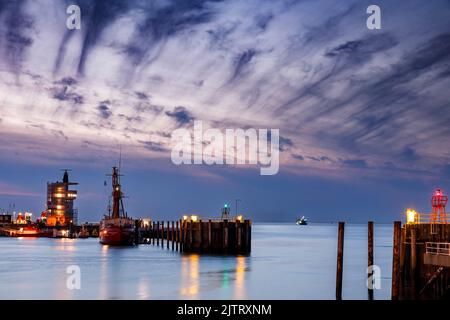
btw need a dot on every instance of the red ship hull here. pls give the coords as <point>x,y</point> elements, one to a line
<point>117,236</point>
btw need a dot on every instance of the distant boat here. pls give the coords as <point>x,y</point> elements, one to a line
<point>117,228</point>
<point>94,233</point>
<point>84,233</point>
<point>302,221</point>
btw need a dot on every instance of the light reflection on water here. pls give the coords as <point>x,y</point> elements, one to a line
<point>190,275</point>
<point>287,262</point>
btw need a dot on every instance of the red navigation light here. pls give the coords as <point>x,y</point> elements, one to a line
<point>439,202</point>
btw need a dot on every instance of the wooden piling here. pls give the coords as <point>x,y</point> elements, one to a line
<point>190,235</point>
<point>153,232</point>
<point>238,236</point>
<point>173,235</point>
<point>340,260</point>
<point>413,262</point>
<point>182,235</point>
<point>177,236</point>
<point>209,236</point>
<point>162,234</point>
<point>370,260</point>
<point>225,236</point>
<point>167,235</point>
<point>136,232</point>
<point>157,233</point>
<point>396,260</point>
<point>200,237</point>
<point>248,236</point>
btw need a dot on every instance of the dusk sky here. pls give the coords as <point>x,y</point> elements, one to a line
<point>363,114</point>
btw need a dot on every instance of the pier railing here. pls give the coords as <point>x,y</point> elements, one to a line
<point>422,218</point>
<point>441,248</point>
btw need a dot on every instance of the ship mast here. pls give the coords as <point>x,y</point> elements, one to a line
<point>117,195</point>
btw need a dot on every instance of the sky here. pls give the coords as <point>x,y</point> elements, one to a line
<point>363,114</point>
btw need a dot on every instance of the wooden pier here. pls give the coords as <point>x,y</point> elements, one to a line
<point>210,237</point>
<point>424,262</point>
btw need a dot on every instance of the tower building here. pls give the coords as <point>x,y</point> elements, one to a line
<point>60,210</point>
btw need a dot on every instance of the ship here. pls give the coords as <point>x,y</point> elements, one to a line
<point>27,231</point>
<point>116,228</point>
<point>302,221</point>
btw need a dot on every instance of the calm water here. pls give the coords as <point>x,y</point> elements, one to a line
<point>287,262</point>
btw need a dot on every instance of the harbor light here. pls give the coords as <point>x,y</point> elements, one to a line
<point>146,222</point>
<point>194,218</point>
<point>240,218</point>
<point>185,218</point>
<point>411,216</point>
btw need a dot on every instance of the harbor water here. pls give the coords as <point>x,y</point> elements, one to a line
<point>287,262</point>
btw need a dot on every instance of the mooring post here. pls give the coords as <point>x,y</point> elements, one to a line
<point>157,233</point>
<point>413,262</point>
<point>136,232</point>
<point>185,236</point>
<point>177,236</point>
<point>209,236</point>
<point>162,234</point>
<point>370,260</point>
<point>340,261</point>
<point>396,260</point>
<point>153,232</point>
<point>237,227</point>
<point>200,236</point>
<point>248,231</point>
<point>191,235</point>
<point>173,235</point>
<point>167,235</point>
<point>225,236</point>
<point>182,235</point>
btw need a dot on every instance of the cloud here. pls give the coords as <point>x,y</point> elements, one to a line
<point>285,144</point>
<point>310,68</point>
<point>181,115</point>
<point>298,157</point>
<point>64,94</point>
<point>355,163</point>
<point>241,63</point>
<point>105,112</point>
<point>409,154</point>
<point>16,32</point>
<point>142,95</point>
<point>68,81</point>
<point>7,189</point>
<point>154,146</point>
